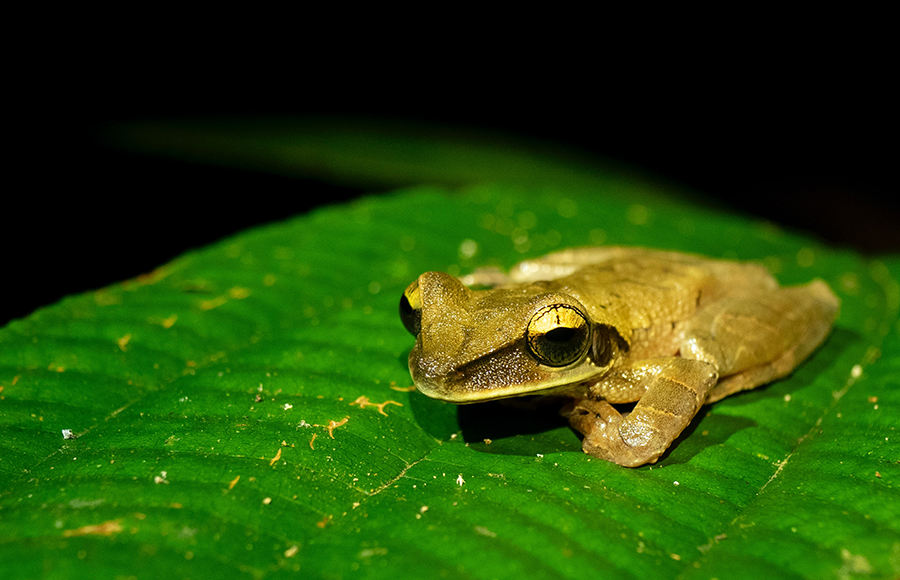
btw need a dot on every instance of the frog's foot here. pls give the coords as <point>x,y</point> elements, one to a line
<point>607,437</point>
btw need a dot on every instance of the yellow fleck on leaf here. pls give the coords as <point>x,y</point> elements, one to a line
<point>123,342</point>
<point>233,482</point>
<point>364,401</point>
<point>324,522</point>
<point>170,321</point>
<point>675,557</point>
<point>214,303</point>
<point>276,458</point>
<point>239,293</point>
<point>105,529</point>
<point>408,389</point>
<point>854,564</point>
<point>292,551</point>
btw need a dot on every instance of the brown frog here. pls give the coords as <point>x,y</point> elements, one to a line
<point>610,325</point>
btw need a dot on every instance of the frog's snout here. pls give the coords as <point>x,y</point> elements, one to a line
<point>434,379</point>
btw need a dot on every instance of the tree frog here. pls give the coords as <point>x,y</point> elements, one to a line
<point>608,325</point>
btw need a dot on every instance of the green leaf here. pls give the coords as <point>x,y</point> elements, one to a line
<point>244,411</point>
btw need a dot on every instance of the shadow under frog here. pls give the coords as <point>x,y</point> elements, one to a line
<point>530,426</point>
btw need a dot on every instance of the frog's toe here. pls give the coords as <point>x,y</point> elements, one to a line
<point>603,427</point>
<point>588,415</point>
<point>608,444</point>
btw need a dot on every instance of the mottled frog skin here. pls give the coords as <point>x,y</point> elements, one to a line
<point>610,325</point>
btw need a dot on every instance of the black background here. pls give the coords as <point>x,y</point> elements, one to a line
<point>806,140</point>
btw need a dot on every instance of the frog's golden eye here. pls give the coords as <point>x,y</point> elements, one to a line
<point>558,335</point>
<point>411,308</point>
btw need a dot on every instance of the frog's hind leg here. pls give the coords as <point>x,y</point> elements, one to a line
<point>670,391</point>
<point>756,337</point>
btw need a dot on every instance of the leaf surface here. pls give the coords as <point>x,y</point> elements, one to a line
<point>245,411</point>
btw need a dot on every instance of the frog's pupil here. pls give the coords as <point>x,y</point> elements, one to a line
<point>560,335</point>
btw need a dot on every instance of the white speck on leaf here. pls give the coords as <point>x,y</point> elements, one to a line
<point>485,532</point>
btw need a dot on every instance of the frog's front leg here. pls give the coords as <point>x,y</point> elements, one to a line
<point>670,390</point>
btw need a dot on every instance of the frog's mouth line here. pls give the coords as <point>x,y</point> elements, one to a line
<point>484,396</point>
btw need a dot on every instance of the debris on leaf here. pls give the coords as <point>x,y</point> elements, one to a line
<point>276,458</point>
<point>332,425</point>
<point>363,402</point>
<point>105,529</point>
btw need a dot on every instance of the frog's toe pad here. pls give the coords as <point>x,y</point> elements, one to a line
<point>600,423</point>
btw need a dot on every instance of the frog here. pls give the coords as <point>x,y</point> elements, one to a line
<point>666,331</point>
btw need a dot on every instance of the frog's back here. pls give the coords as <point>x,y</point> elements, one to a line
<point>648,295</point>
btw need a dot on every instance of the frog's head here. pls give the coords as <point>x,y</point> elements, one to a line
<point>476,346</point>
